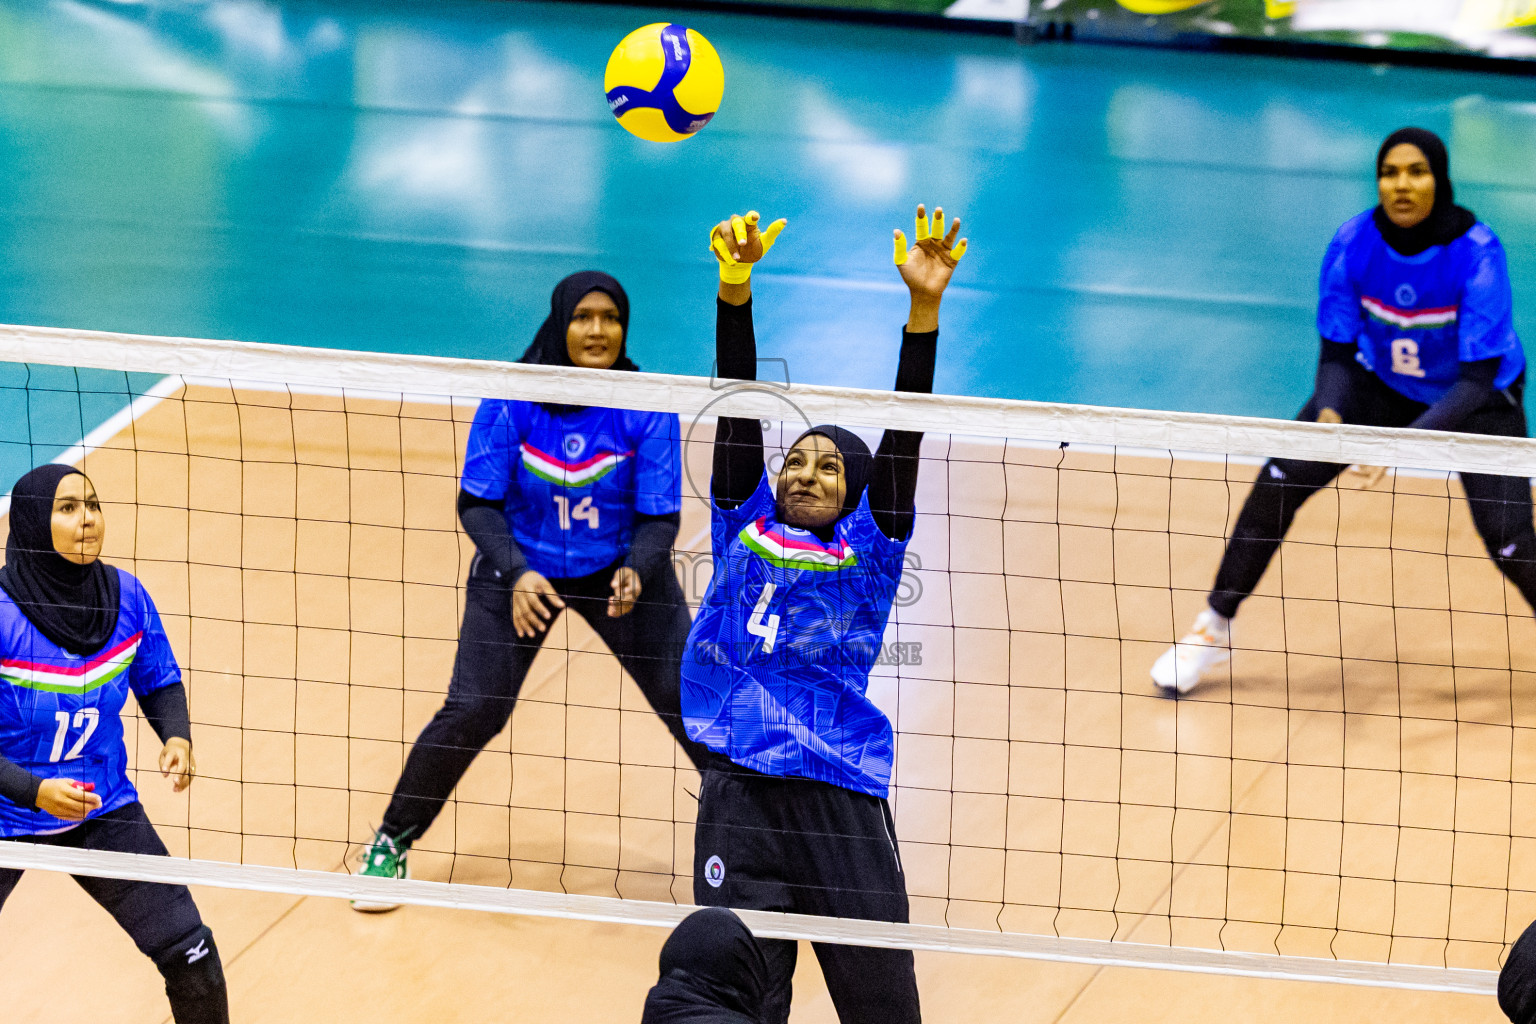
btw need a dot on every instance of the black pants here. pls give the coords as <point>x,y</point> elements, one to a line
<point>161,919</point>
<point>803,847</point>
<point>1500,505</point>
<point>493,661</point>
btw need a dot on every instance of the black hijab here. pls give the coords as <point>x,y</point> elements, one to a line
<point>857,461</point>
<point>1517,981</point>
<point>549,345</point>
<point>73,605</point>
<point>712,972</point>
<point>1446,221</point>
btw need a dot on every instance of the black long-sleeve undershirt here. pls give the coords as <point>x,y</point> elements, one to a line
<point>166,711</point>
<point>738,454</point>
<point>486,523</point>
<point>1474,383</point>
<point>18,785</point>
<point>650,548</point>
<point>1335,362</point>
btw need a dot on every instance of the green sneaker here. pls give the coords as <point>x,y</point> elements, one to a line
<point>382,858</point>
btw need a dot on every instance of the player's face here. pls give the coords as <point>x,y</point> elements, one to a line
<point>1406,184</point>
<point>77,524</point>
<point>811,486</point>
<point>595,335</point>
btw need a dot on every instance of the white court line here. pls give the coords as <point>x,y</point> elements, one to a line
<point>843,931</point>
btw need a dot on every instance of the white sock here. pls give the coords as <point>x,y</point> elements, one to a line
<point>1213,622</point>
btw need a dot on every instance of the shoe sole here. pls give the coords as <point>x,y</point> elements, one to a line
<point>374,908</point>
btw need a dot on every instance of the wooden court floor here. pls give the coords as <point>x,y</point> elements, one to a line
<point>1360,785</point>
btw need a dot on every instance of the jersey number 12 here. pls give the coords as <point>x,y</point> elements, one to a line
<point>583,510</point>
<point>757,626</point>
<point>85,718</point>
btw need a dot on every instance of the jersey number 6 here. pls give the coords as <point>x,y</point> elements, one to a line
<point>768,630</point>
<point>583,510</point>
<point>85,718</point>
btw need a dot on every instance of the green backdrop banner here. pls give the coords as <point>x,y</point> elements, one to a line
<point>1495,28</point>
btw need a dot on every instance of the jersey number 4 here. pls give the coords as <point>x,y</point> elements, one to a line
<point>583,510</point>
<point>767,628</point>
<point>85,718</point>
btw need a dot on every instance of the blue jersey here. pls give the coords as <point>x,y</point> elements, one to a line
<point>573,483</point>
<point>1415,318</point>
<point>61,714</point>
<point>778,659</point>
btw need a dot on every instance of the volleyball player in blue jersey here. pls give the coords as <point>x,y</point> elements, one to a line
<point>1417,329</point>
<point>569,507</point>
<point>76,636</point>
<point>793,814</point>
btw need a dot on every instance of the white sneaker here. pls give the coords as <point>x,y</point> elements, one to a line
<point>1207,645</point>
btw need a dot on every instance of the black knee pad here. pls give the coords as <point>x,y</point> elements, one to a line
<point>194,979</point>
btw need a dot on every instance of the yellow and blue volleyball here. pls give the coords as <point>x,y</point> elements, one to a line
<point>664,82</point>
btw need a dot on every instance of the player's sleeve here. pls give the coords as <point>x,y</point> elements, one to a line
<point>488,454</point>
<point>1339,318</point>
<point>1486,320</point>
<point>154,664</point>
<point>657,438</point>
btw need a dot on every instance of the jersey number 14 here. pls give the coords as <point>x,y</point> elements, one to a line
<point>584,510</point>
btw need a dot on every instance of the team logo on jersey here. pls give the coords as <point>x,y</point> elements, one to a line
<point>776,545</point>
<point>1408,319</point>
<point>571,472</point>
<point>575,444</point>
<point>714,872</point>
<point>1406,296</point>
<point>79,678</point>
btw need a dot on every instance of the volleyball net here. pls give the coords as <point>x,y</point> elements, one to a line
<point>1352,799</point>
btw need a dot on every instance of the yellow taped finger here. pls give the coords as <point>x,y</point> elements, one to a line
<point>958,251</point>
<point>771,233</point>
<point>718,244</point>
<point>739,229</point>
<point>938,223</point>
<point>901,248</point>
<point>922,228</point>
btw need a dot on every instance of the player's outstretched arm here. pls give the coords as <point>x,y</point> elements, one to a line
<point>926,269</point>
<point>738,456</point>
<point>928,265</point>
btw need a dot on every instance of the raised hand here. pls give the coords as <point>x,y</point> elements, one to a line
<point>927,266</point>
<point>737,239</point>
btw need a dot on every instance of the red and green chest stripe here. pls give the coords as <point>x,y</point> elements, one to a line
<point>1408,319</point>
<point>563,473</point>
<point>83,677</point>
<point>788,551</point>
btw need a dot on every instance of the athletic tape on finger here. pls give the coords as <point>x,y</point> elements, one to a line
<point>901,248</point>
<point>771,234</point>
